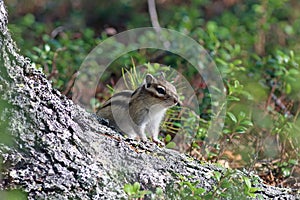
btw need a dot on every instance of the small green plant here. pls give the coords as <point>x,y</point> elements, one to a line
<point>248,188</point>
<point>287,167</point>
<point>184,189</point>
<point>230,184</point>
<point>170,144</point>
<point>238,124</point>
<point>134,191</point>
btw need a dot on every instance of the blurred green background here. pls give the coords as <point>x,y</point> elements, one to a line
<point>255,45</point>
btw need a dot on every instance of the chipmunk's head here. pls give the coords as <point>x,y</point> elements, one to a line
<point>163,91</point>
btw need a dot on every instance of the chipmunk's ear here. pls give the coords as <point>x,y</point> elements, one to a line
<point>149,79</point>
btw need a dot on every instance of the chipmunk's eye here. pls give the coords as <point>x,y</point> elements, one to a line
<point>160,90</point>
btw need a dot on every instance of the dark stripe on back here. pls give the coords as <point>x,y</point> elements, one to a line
<point>123,93</point>
<point>116,103</point>
<point>135,91</point>
<point>105,105</point>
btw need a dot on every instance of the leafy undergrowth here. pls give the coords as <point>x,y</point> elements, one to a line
<point>231,185</point>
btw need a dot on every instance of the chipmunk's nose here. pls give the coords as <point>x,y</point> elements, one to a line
<point>175,101</point>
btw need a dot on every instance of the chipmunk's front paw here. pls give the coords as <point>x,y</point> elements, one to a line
<point>145,140</point>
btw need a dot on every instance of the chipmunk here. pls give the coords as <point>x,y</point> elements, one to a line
<point>136,112</point>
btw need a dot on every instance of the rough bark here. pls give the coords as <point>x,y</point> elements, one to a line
<point>60,151</point>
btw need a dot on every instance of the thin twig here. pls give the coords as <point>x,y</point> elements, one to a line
<point>270,95</point>
<point>155,23</point>
<point>153,14</point>
<point>54,70</point>
<point>70,84</point>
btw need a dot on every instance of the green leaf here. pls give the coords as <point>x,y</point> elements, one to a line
<point>247,182</point>
<point>237,62</point>
<point>246,123</point>
<point>199,191</point>
<point>253,195</point>
<point>241,116</point>
<point>47,47</point>
<point>222,62</point>
<point>168,138</point>
<point>177,124</point>
<point>293,71</point>
<point>288,88</point>
<point>226,184</point>
<point>293,162</point>
<point>253,189</point>
<point>286,172</point>
<point>226,131</point>
<point>128,189</point>
<point>136,186</point>
<point>159,191</point>
<point>171,145</point>
<point>232,98</point>
<point>217,175</point>
<point>237,84</point>
<point>241,129</point>
<point>232,117</point>
<point>195,145</point>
